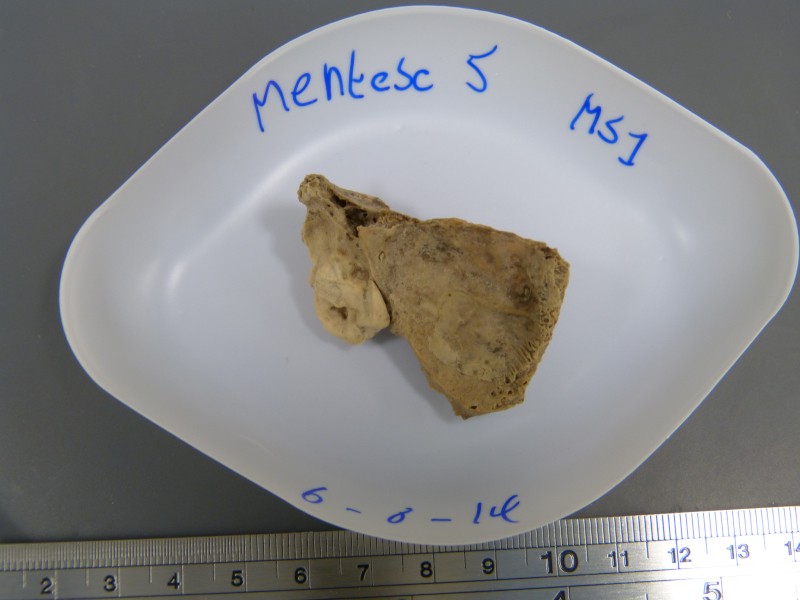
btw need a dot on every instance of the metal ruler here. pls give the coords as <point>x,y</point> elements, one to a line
<point>720,555</point>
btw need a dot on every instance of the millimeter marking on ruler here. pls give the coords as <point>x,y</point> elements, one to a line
<point>719,555</point>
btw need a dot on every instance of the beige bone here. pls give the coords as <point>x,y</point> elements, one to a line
<point>478,306</point>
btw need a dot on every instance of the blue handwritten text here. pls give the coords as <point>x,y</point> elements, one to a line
<point>502,512</point>
<point>336,83</point>
<point>332,81</point>
<point>607,131</point>
<point>399,517</point>
<point>471,62</point>
<point>499,511</point>
<point>314,495</point>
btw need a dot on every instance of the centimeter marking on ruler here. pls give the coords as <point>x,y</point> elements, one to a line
<point>713,555</point>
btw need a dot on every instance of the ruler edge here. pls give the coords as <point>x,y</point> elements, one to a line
<point>311,545</point>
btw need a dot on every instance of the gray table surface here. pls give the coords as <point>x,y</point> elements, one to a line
<point>90,90</point>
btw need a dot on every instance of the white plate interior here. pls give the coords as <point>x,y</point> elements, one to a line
<point>186,294</point>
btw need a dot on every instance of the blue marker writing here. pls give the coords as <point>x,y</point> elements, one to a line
<point>471,62</point>
<point>332,82</point>
<point>586,107</point>
<point>399,517</point>
<point>262,102</point>
<point>411,78</point>
<point>313,495</point>
<point>501,512</point>
<point>640,138</point>
<point>607,130</point>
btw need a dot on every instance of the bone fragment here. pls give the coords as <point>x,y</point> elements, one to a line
<point>477,306</point>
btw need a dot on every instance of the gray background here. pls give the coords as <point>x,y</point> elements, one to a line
<point>90,90</point>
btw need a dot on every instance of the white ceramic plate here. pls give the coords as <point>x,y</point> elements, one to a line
<point>186,295</point>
